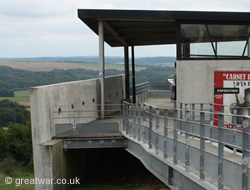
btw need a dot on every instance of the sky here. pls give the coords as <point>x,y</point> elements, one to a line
<point>48,28</point>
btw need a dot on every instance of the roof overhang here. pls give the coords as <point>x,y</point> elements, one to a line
<point>145,27</point>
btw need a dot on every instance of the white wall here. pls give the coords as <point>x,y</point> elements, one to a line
<point>114,90</point>
<point>195,78</point>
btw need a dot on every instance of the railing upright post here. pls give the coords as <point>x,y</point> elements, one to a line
<point>147,86</point>
<point>144,92</point>
<point>125,116</point>
<point>144,122</point>
<point>202,145</point>
<point>221,149</point>
<point>134,120</point>
<point>211,121</point>
<point>175,132</point>
<point>211,113</point>
<point>139,121</point>
<point>53,120</point>
<point>193,112</point>
<point>245,153</point>
<point>124,107</point>
<point>234,127</point>
<point>192,117</point>
<point>165,132</point>
<point>181,117</point>
<point>157,130</point>
<point>150,127</point>
<point>187,138</point>
<point>130,119</point>
<point>138,93</point>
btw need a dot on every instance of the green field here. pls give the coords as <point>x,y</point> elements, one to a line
<point>22,97</point>
<point>109,65</point>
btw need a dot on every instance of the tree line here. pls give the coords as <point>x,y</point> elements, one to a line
<point>15,133</point>
<point>17,80</point>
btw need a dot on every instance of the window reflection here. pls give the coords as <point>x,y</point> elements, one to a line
<point>214,41</point>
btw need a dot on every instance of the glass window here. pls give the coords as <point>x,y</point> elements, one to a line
<point>214,41</point>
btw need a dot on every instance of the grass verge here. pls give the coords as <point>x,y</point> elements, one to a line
<point>13,175</point>
<point>22,97</point>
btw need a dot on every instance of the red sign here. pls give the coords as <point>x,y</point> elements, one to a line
<point>231,89</point>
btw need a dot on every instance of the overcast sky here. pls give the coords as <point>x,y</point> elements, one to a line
<point>36,28</point>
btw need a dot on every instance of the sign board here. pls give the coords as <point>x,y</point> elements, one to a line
<point>101,74</point>
<point>231,89</point>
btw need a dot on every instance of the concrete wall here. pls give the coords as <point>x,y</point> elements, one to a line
<point>114,90</point>
<point>195,78</point>
<point>43,100</point>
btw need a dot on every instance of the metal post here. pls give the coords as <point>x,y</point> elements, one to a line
<point>234,127</point>
<point>187,138</point>
<point>141,91</point>
<point>150,127</point>
<point>245,153</point>
<point>220,150</point>
<point>126,65</point>
<point>201,107</point>
<point>124,115</point>
<point>181,117</point>
<point>134,120</point>
<point>193,118</point>
<point>211,113</point>
<point>193,112</point>
<point>211,121</point>
<point>144,92</point>
<point>127,118</point>
<point>139,121</point>
<point>130,119</point>
<point>202,145</point>
<point>144,122</point>
<point>133,74</point>
<point>101,64</point>
<point>165,132</point>
<point>175,133</point>
<point>157,129</point>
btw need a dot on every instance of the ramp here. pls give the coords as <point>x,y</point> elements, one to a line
<point>90,135</point>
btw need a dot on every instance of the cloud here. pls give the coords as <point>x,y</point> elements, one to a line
<point>43,27</point>
<point>36,8</point>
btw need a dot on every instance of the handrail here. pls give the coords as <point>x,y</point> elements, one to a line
<point>67,117</point>
<point>155,125</point>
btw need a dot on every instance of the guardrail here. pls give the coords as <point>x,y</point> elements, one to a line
<point>67,118</point>
<point>142,92</point>
<point>196,136</point>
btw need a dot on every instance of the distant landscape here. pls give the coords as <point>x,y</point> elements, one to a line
<point>17,75</point>
<point>20,74</point>
<point>145,61</point>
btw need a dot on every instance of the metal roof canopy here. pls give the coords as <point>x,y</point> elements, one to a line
<point>146,27</point>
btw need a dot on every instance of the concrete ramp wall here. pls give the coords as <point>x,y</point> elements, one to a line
<point>44,99</point>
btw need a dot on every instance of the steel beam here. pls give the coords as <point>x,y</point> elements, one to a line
<point>126,65</point>
<point>101,64</point>
<point>133,73</point>
<point>86,143</point>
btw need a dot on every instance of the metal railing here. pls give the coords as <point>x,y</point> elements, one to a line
<point>197,137</point>
<point>68,118</point>
<point>142,92</point>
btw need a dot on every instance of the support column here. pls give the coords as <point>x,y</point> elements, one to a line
<point>248,52</point>
<point>126,65</point>
<point>101,65</point>
<point>133,74</point>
